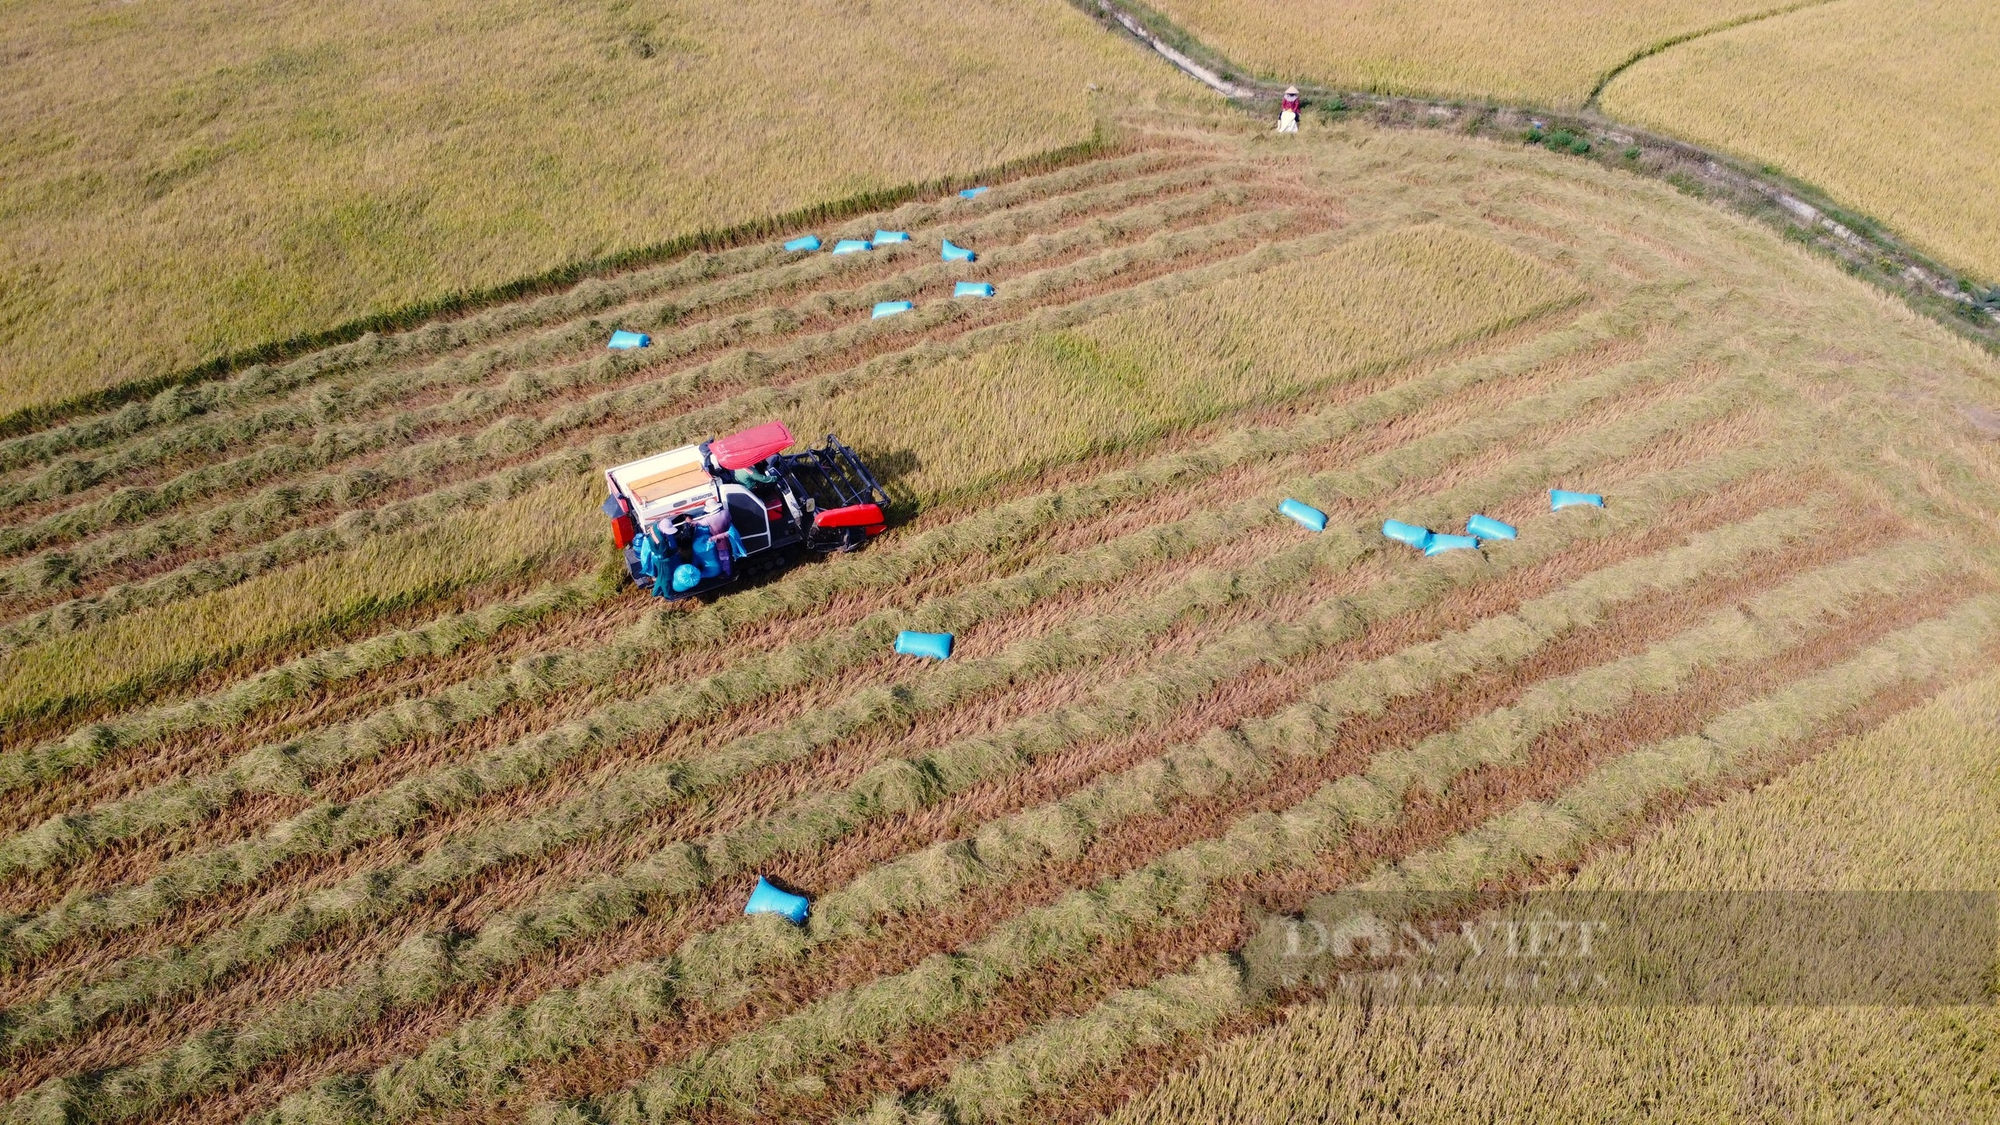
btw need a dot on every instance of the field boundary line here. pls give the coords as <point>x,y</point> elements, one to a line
<point>374,353</point>
<point>1863,247</point>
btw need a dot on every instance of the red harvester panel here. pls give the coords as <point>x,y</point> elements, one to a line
<point>740,451</point>
<point>854,515</point>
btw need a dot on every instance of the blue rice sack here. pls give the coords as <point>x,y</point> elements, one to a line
<point>1305,514</point>
<point>809,242</point>
<point>891,308</point>
<point>1439,544</point>
<point>686,577</point>
<point>973,192</point>
<point>936,646</point>
<point>883,237</point>
<point>622,339</point>
<point>1418,537</point>
<point>851,246</point>
<point>972,289</point>
<point>767,899</point>
<point>705,559</point>
<point>955,253</point>
<point>1486,527</point>
<point>1560,499</point>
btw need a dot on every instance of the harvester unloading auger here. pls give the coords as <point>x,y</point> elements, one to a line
<point>697,518</point>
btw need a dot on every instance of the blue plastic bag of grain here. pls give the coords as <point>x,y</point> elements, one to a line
<point>972,289</point>
<point>1439,544</point>
<point>767,899</point>
<point>973,192</point>
<point>686,577</point>
<point>1304,514</point>
<point>890,308</point>
<point>705,559</point>
<point>1486,527</point>
<point>956,253</point>
<point>935,646</point>
<point>883,237</point>
<point>809,242</point>
<point>851,246</point>
<point>1560,499</point>
<point>622,339</point>
<point>1418,537</point>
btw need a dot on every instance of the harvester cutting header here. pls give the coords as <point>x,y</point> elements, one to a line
<point>697,518</point>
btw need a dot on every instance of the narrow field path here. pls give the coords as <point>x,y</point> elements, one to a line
<point>1932,289</point>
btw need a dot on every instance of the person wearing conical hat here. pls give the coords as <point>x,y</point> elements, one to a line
<point>1288,113</point>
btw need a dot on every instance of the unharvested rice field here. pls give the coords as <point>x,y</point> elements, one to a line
<point>184,180</point>
<point>1550,53</point>
<point>344,783</point>
<point>1889,107</point>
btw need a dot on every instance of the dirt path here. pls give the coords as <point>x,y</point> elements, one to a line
<point>1862,246</point>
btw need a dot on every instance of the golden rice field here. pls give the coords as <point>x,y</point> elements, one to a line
<point>186,180</point>
<point>1888,107</point>
<point>1548,53</point>
<point>1909,805</point>
<point>343,782</point>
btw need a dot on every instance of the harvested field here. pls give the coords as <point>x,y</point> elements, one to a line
<point>344,782</point>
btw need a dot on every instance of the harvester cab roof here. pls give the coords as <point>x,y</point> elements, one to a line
<point>693,519</point>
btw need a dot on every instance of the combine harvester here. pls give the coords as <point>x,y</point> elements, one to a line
<point>694,519</point>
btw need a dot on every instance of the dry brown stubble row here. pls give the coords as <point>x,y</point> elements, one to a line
<point>1087,762</point>
<point>1218,192</point>
<point>199,749</point>
<point>1558,759</point>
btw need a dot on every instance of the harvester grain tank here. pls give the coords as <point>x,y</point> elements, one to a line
<point>694,519</point>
